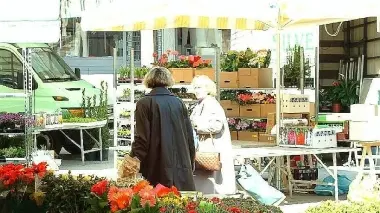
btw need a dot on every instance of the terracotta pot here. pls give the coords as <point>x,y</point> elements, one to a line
<point>336,107</point>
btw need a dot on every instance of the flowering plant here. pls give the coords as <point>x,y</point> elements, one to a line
<point>245,98</point>
<point>243,125</point>
<point>10,121</point>
<point>168,60</point>
<point>255,98</point>
<point>141,197</point>
<point>261,59</point>
<point>232,122</point>
<point>17,181</point>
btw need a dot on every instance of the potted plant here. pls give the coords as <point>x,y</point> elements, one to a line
<point>229,67</point>
<point>343,94</point>
<point>232,126</point>
<point>203,67</point>
<point>293,65</point>
<point>253,71</point>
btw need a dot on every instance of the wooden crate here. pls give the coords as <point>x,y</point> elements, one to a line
<point>250,111</point>
<point>255,78</point>
<point>209,72</point>
<point>231,108</point>
<point>228,80</point>
<point>182,75</point>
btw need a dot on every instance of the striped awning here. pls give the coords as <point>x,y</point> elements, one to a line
<point>190,22</point>
<point>215,14</point>
<point>160,14</point>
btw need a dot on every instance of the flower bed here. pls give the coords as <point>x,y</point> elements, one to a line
<point>346,207</point>
<point>89,194</point>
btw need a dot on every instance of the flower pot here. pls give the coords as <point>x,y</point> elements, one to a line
<point>336,107</point>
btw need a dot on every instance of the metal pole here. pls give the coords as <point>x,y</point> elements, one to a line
<point>115,112</point>
<point>132,64</point>
<point>278,85</point>
<point>316,84</point>
<point>302,71</point>
<point>124,49</point>
<point>217,72</point>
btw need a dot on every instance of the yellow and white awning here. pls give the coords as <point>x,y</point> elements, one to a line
<point>160,14</point>
<point>120,15</point>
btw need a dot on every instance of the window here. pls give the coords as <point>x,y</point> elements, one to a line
<point>10,69</point>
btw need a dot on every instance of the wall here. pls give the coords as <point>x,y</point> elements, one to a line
<point>331,51</point>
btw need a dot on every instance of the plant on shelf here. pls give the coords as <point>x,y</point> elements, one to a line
<point>343,94</point>
<point>13,152</point>
<point>182,93</point>
<point>243,125</point>
<point>11,122</point>
<point>228,95</point>
<point>245,99</point>
<point>293,65</point>
<point>229,61</point>
<point>232,122</point>
<point>125,74</point>
<point>125,114</point>
<point>261,59</point>
<point>124,133</point>
<point>259,126</point>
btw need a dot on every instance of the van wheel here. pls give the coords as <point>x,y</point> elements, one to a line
<point>50,141</point>
<point>88,143</point>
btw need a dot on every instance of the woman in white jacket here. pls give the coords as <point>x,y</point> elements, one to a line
<point>208,117</point>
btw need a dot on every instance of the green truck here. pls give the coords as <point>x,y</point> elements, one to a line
<point>55,86</point>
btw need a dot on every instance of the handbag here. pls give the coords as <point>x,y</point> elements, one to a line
<point>208,161</point>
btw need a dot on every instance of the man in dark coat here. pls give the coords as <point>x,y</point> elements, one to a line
<point>163,140</point>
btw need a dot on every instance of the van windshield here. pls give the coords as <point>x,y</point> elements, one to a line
<point>50,67</point>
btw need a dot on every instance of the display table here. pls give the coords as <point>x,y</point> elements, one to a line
<point>82,128</point>
<point>275,153</point>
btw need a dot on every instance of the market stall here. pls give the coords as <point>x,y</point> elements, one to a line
<point>260,15</point>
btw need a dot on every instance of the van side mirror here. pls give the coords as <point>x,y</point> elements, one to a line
<point>77,72</point>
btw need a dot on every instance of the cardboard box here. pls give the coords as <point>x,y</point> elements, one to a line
<point>363,112</point>
<point>182,75</point>
<point>266,138</point>
<point>250,111</point>
<point>228,80</point>
<point>292,103</point>
<point>365,130</point>
<point>265,109</point>
<point>231,108</point>
<point>255,78</point>
<point>209,72</point>
<point>248,136</point>
<point>234,135</point>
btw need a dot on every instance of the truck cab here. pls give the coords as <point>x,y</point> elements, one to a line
<point>55,87</point>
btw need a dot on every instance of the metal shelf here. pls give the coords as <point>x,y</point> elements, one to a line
<point>12,134</point>
<point>120,148</point>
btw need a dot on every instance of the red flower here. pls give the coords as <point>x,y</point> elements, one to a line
<point>155,55</point>
<point>215,200</point>
<point>191,206</point>
<point>140,185</point>
<point>234,210</point>
<point>335,83</point>
<point>162,209</point>
<point>100,188</point>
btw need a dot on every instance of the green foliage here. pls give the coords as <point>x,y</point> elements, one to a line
<point>345,207</point>
<point>293,66</point>
<point>228,95</point>
<point>139,72</point>
<point>234,60</point>
<point>13,152</point>
<point>67,193</point>
<point>344,92</point>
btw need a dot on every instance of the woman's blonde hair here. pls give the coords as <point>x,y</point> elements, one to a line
<point>158,77</point>
<point>205,82</point>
